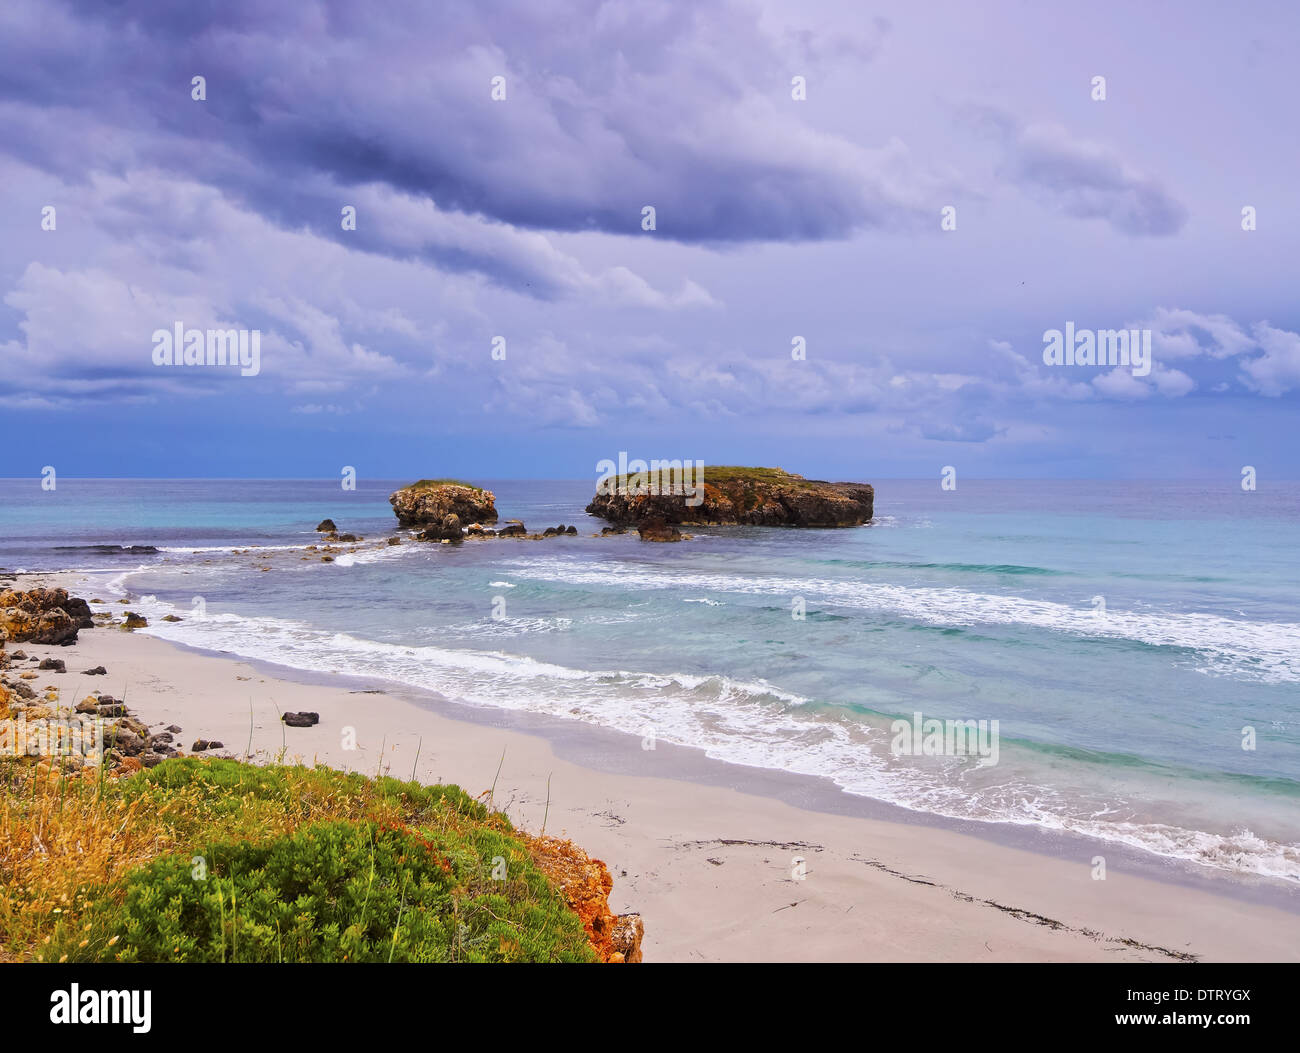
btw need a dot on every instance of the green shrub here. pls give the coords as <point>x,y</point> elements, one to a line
<point>313,865</point>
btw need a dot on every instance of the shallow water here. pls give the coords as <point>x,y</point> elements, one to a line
<point>1122,634</point>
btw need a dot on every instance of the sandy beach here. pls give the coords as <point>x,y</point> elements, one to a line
<point>709,853</point>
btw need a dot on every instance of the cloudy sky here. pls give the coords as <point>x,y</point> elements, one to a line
<point>775,217</point>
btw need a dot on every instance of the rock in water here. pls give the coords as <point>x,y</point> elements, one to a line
<point>657,530</point>
<point>731,495</point>
<point>326,526</point>
<point>430,501</point>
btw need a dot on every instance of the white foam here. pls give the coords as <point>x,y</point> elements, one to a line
<point>1265,651</point>
<point>748,722</point>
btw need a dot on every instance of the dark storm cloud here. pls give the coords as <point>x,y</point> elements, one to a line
<point>683,107</point>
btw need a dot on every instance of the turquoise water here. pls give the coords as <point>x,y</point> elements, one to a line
<point>1122,634</point>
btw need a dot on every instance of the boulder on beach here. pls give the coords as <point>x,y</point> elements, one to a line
<point>731,495</point>
<point>301,720</point>
<point>43,616</point>
<point>430,501</point>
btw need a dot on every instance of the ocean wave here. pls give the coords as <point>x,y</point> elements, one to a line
<point>112,550</point>
<point>1263,651</point>
<point>747,722</point>
<point>1010,569</point>
<point>384,554</point>
<point>204,549</point>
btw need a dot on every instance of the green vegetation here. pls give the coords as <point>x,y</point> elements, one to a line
<point>429,484</point>
<point>725,475</point>
<point>215,860</point>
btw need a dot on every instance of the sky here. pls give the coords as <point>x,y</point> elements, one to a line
<point>865,219</point>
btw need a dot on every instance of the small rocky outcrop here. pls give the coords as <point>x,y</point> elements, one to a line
<point>737,496</point>
<point>42,616</point>
<point>657,530</point>
<point>96,720</point>
<point>326,526</point>
<point>429,502</point>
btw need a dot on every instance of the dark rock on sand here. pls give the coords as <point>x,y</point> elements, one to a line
<point>56,665</point>
<point>200,745</point>
<point>301,720</point>
<point>99,670</point>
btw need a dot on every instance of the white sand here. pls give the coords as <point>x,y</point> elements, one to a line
<point>874,890</point>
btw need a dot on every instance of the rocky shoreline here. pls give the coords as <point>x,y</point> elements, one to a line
<point>43,721</point>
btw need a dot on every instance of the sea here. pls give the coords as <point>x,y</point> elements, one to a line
<point>1137,643</point>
